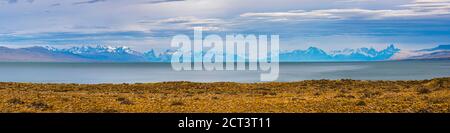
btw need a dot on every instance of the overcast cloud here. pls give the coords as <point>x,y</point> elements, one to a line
<point>143,24</point>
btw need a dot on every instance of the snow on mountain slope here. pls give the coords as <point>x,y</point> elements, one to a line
<point>360,54</point>
<point>126,54</point>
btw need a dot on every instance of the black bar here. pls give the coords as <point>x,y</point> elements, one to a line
<point>278,121</point>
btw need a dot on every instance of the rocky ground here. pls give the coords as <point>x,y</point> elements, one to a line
<point>305,96</point>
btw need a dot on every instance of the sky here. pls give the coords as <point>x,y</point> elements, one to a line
<point>146,24</point>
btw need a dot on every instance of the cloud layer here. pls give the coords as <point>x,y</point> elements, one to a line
<point>299,22</point>
<point>415,10</point>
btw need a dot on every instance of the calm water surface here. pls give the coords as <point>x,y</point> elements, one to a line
<point>158,72</point>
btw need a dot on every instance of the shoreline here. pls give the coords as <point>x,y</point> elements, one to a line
<point>308,96</point>
<point>214,82</point>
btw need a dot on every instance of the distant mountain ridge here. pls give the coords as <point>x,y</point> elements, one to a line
<point>439,52</point>
<point>36,54</point>
<point>103,53</point>
<point>360,54</point>
<point>440,47</point>
<point>125,54</point>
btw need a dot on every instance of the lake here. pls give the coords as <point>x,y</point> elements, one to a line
<point>159,72</point>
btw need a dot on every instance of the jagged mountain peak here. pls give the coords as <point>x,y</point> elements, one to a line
<point>98,49</point>
<point>315,50</point>
<point>392,48</point>
<point>370,52</point>
<point>359,54</point>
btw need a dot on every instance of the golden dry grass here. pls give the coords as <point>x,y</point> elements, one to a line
<point>304,96</point>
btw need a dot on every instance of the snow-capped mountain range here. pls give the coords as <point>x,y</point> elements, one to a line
<point>103,53</point>
<point>126,54</point>
<point>360,54</point>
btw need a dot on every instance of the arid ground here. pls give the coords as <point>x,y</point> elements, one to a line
<point>304,96</point>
